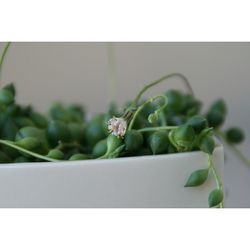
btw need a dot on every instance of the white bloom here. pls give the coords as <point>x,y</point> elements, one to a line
<point>117,126</point>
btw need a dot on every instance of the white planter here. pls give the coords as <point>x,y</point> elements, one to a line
<point>147,181</point>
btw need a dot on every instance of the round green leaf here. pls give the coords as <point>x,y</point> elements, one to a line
<point>215,118</point>
<point>198,123</point>
<point>207,144</point>
<point>58,131</point>
<point>215,198</point>
<point>182,137</point>
<point>197,178</point>
<point>6,97</point>
<point>56,154</point>
<point>219,105</point>
<point>235,135</point>
<point>133,140</point>
<point>113,143</point>
<point>39,120</point>
<point>78,157</point>
<point>159,142</point>
<point>100,148</point>
<point>29,143</point>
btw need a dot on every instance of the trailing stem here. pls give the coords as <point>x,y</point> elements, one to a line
<point>148,86</point>
<point>236,151</point>
<point>3,56</point>
<point>140,108</point>
<point>13,145</point>
<point>218,181</point>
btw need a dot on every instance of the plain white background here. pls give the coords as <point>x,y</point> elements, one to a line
<point>78,72</point>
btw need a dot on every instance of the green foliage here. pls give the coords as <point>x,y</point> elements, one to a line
<point>198,123</point>
<point>235,135</point>
<point>183,137</point>
<point>133,141</point>
<point>57,132</point>
<point>159,142</point>
<point>78,157</point>
<point>215,198</point>
<point>100,148</point>
<point>56,154</point>
<point>207,144</point>
<point>197,178</point>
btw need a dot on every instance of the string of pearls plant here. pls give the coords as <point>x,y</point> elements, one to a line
<point>170,122</point>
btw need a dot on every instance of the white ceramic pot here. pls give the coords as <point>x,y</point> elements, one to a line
<point>146,181</point>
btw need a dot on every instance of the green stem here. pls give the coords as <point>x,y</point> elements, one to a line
<point>156,128</point>
<point>160,110</point>
<point>140,108</point>
<point>233,148</point>
<point>239,154</point>
<point>3,56</point>
<point>163,118</point>
<point>136,100</point>
<point>12,145</point>
<point>218,181</point>
<point>105,156</point>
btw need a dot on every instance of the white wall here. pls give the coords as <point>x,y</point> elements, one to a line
<point>77,72</point>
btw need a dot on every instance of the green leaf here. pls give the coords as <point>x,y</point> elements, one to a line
<point>117,152</point>
<point>198,123</point>
<point>197,178</point>
<point>29,143</point>
<point>215,198</point>
<point>207,144</point>
<point>235,135</point>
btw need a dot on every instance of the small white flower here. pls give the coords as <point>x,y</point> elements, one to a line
<point>117,126</point>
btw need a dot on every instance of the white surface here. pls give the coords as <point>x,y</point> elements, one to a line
<point>147,181</point>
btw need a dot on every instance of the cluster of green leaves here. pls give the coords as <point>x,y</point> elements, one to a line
<point>166,124</point>
<point>57,136</point>
<point>64,132</point>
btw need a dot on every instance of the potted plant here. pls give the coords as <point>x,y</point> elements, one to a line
<point>158,152</point>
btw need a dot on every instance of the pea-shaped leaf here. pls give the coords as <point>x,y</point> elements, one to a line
<point>58,131</point>
<point>197,178</point>
<point>219,105</point>
<point>159,142</point>
<point>9,129</point>
<point>235,135</point>
<point>183,137</point>
<point>198,123</point>
<point>11,87</point>
<point>113,143</point>
<point>176,101</point>
<point>133,140</point>
<point>100,148</point>
<point>207,144</point>
<point>95,131</point>
<point>56,154</point>
<point>29,143</point>
<point>39,120</point>
<point>78,157</point>
<point>215,198</point>
<point>215,118</point>
<point>6,97</point>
